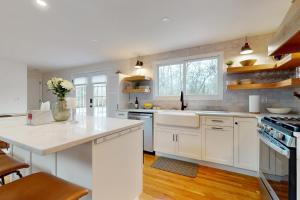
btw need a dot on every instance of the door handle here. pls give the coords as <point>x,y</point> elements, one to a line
<point>176,138</point>
<point>173,137</point>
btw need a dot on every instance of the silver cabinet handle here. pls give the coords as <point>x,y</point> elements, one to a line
<point>215,120</point>
<point>173,137</point>
<point>217,128</point>
<point>176,138</point>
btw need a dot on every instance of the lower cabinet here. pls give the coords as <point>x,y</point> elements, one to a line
<point>179,142</point>
<point>231,141</point>
<point>164,141</point>
<point>245,143</point>
<point>218,145</point>
<point>189,145</point>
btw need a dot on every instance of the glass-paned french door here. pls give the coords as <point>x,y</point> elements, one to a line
<point>90,92</point>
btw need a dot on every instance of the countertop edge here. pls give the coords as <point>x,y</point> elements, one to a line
<point>212,113</point>
<point>63,147</point>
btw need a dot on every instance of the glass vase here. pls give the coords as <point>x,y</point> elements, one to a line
<point>60,111</point>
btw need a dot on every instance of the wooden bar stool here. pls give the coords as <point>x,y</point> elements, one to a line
<point>8,165</point>
<point>41,186</point>
<point>4,145</point>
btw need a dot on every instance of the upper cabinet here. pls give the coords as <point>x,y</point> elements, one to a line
<point>287,38</point>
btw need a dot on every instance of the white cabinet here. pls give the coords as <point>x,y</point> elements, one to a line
<point>245,143</point>
<point>178,141</point>
<point>231,141</point>
<point>218,145</point>
<point>165,141</point>
<point>189,145</point>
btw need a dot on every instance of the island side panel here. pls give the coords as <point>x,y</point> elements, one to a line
<point>75,165</point>
<point>118,166</point>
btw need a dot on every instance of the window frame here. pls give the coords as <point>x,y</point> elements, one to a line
<point>219,96</point>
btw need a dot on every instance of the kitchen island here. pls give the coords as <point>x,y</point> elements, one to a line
<point>102,154</point>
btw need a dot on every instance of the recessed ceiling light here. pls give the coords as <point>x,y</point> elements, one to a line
<point>42,3</point>
<point>165,19</point>
<point>94,41</point>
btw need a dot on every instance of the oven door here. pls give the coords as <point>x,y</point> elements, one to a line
<point>275,168</point>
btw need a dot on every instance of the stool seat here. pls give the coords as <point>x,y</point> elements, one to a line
<point>9,165</point>
<point>4,145</point>
<point>41,186</point>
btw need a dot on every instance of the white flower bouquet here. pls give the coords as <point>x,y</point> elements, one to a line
<point>60,87</point>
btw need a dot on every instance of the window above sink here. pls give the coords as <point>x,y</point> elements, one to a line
<point>199,77</point>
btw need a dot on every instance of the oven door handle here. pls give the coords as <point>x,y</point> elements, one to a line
<point>284,152</point>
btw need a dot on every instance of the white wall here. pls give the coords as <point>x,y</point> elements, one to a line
<point>13,87</point>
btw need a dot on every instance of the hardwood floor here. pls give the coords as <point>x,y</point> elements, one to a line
<point>210,184</point>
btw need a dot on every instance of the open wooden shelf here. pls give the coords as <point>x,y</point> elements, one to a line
<point>136,91</point>
<point>250,69</point>
<point>291,45</point>
<point>136,78</point>
<point>292,82</point>
<point>289,62</point>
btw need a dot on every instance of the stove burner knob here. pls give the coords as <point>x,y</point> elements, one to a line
<point>280,136</point>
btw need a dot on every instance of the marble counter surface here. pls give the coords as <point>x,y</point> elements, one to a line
<point>58,136</point>
<point>211,113</point>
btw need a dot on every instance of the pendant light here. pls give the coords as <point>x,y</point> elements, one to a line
<point>139,64</point>
<point>246,49</point>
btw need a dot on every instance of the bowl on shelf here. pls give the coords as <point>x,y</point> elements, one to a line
<point>246,81</point>
<point>248,62</point>
<point>279,110</point>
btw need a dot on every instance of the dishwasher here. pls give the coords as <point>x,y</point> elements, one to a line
<point>148,128</point>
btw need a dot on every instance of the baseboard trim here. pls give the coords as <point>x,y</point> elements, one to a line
<point>210,164</point>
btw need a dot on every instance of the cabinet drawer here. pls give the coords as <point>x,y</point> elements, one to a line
<point>219,121</point>
<point>220,128</point>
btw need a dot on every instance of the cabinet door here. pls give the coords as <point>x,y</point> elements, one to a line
<point>165,141</point>
<point>189,145</point>
<point>246,143</point>
<point>219,145</point>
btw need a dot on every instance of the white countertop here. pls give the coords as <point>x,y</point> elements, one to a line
<point>211,113</point>
<point>58,136</point>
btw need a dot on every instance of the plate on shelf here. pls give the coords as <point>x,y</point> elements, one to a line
<point>279,110</point>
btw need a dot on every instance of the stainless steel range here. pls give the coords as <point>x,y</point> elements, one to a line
<point>277,165</point>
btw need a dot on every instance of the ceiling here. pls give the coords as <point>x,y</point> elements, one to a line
<point>79,32</point>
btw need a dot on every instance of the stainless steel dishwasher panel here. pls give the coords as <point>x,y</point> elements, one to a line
<point>148,128</point>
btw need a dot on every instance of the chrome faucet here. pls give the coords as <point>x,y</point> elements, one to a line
<point>182,101</point>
